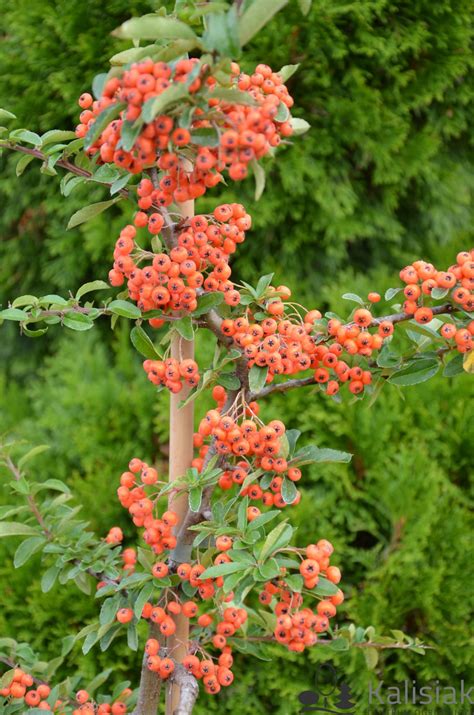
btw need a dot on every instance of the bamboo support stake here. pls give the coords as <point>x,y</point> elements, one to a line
<point>181,456</point>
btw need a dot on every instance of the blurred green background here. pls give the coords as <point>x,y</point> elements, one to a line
<point>384,177</point>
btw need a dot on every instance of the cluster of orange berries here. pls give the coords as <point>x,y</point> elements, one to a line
<point>421,278</point>
<point>87,706</point>
<point>297,628</point>
<point>245,131</point>
<point>172,280</point>
<point>158,532</point>
<point>21,688</point>
<point>172,373</point>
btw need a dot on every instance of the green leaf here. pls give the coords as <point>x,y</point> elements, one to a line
<point>257,378</point>
<point>283,113</point>
<point>134,54</point>
<point>305,6</point>
<point>98,84</point>
<point>118,184</point>
<point>371,656</point>
<point>195,498</point>
<point>391,293</point>
<point>26,549</point>
<point>77,321</point>
<point>354,297</point>
<point>129,134</point>
<point>292,435</point>
<point>454,366</point>
<point>90,287</point>
<point>156,105</point>
<point>5,114</point>
<point>299,126</point>
<point>269,570</point>
<point>142,598</point>
<point>109,609</point>
<point>49,578</point>
<point>103,120</point>
<point>88,212</point>
<point>438,293</point>
<point>222,33</point>
<point>33,333</point>
<point>312,454</point>
<point>185,328</point>
<point>232,96</point>
<point>23,163</point>
<point>418,371</point>
<point>124,309</point>
<point>55,485</point>
<point>288,71</point>
<point>154,27</point>
<point>24,135</point>
<point>14,314</point>
<point>205,136</point>
<point>276,539</point>
<point>223,569</point>
<point>14,528</point>
<point>207,302</point>
<point>295,582</point>
<point>53,136</point>
<point>387,358</point>
<point>257,15</point>
<point>288,491</point>
<point>90,641</point>
<point>259,174</point>
<point>68,184</point>
<point>143,344</point>
<point>229,380</point>
<point>325,587</point>
<point>99,680</point>
<point>105,174</point>
<point>263,519</point>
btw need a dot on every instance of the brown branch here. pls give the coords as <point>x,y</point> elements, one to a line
<point>188,689</point>
<point>444,309</point>
<point>150,682</point>
<point>63,163</point>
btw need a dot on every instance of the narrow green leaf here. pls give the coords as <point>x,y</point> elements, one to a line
<point>24,135</point>
<point>98,84</point>
<point>223,569</point>
<point>23,163</point>
<point>130,133</point>
<point>299,126</point>
<point>154,27</point>
<point>195,499</point>
<point>142,598</point>
<point>156,105</point>
<point>143,343</point>
<point>119,184</point>
<point>5,114</point>
<point>354,297</point>
<point>305,6</point>
<point>391,293</point>
<point>124,309</point>
<point>257,378</point>
<point>14,528</point>
<point>14,314</point>
<point>92,286</point>
<point>325,587</point>
<point>49,578</point>
<point>207,302</point>
<point>53,136</point>
<point>259,174</point>
<point>77,321</point>
<point>185,328</point>
<point>277,538</point>
<point>232,96</point>
<point>288,71</point>
<point>103,120</point>
<point>88,212</point>
<point>288,491</point>
<point>26,549</point>
<point>257,15</point>
<point>454,366</point>
<point>312,454</point>
<point>418,371</point>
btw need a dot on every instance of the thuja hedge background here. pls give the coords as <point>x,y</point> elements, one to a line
<point>385,176</point>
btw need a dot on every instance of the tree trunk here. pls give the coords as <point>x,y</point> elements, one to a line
<point>181,455</point>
